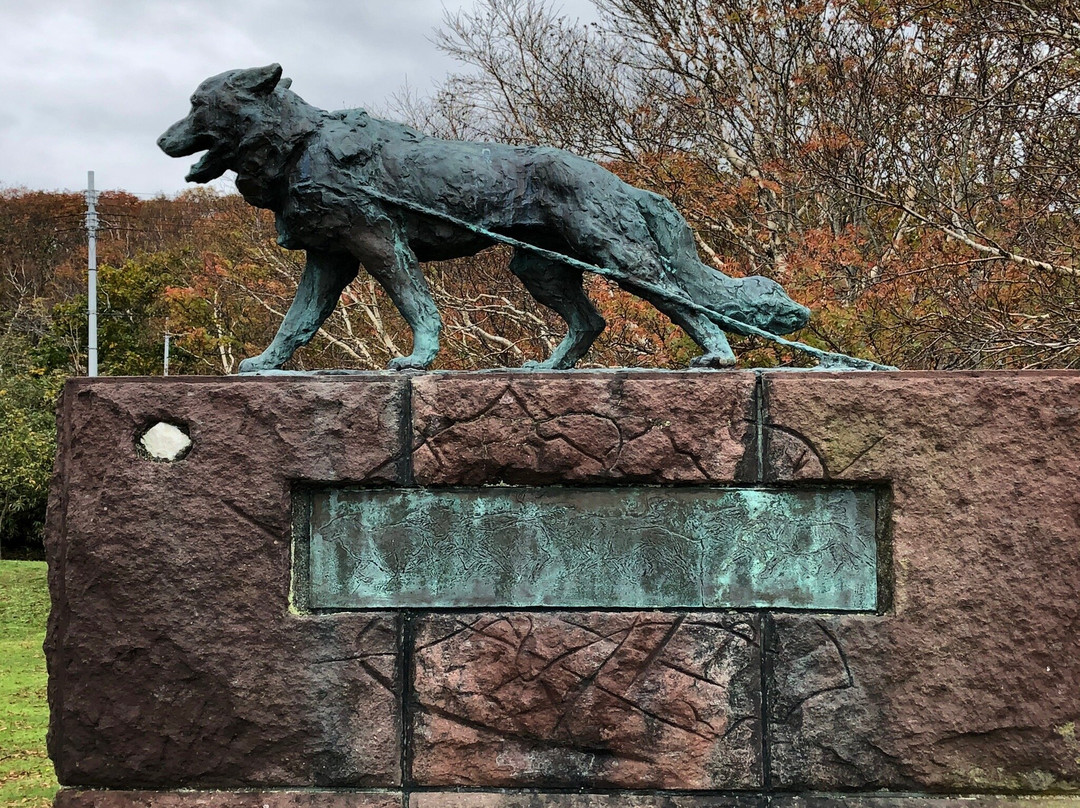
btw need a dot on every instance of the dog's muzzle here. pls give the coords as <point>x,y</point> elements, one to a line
<point>179,141</point>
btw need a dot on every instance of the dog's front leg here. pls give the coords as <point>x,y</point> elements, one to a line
<point>325,276</point>
<point>390,260</point>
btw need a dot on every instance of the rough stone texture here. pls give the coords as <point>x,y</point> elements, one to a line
<point>971,681</point>
<point>532,799</point>
<point>175,661</point>
<point>587,699</point>
<point>549,428</point>
<point>920,801</point>
<point>173,658</point>
<point>72,798</point>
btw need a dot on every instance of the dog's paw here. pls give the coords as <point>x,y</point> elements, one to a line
<point>254,364</point>
<point>408,363</point>
<point>714,360</point>
<point>547,364</point>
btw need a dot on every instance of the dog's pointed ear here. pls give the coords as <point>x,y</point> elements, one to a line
<point>284,84</point>
<point>259,80</point>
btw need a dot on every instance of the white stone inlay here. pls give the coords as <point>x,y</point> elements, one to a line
<point>165,441</point>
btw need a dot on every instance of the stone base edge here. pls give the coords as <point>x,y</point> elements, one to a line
<point>79,798</point>
<point>109,798</point>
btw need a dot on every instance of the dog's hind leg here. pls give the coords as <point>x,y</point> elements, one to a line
<point>702,330</point>
<point>390,260</point>
<point>325,276</point>
<point>559,288</point>
<point>636,260</point>
<point>645,273</point>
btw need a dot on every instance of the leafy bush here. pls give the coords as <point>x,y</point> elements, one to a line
<point>27,446</point>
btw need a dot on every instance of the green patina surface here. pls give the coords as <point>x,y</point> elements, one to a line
<point>593,548</point>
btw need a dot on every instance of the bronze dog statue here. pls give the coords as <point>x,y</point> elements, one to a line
<point>354,190</point>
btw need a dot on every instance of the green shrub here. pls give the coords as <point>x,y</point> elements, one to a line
<point>27,446</point>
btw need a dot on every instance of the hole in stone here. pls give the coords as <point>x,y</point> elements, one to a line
<point>166,442</point>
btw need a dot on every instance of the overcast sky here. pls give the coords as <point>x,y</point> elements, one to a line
<point>90,84</point>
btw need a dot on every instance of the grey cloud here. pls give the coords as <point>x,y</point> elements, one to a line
<point>90,85</point>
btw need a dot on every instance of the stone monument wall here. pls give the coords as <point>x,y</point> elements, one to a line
<point>579,590</point>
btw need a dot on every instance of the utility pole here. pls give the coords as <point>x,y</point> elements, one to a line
<point>91,260</point>
<point>165,369</point>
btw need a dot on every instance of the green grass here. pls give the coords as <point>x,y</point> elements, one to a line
<point>26,773</point>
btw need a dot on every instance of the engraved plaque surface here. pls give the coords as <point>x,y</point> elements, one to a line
<point>629,547</point>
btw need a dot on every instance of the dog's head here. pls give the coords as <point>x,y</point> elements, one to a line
<point>773,310</point>
<point>223,109</point>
